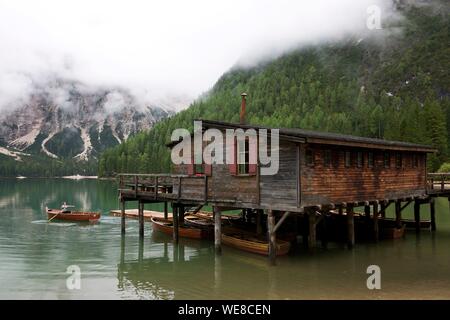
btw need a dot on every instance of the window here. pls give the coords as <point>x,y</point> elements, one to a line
<point>360,159</point>
<point>348,159</point>
<point>387,160</point>
<point>327,158</point>
<point>398,160</point>
<point>415,161</point>
<point>309,157</point>
<point>370,160</point>
<point>243,156</point>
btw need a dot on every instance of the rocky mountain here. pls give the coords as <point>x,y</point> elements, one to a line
<point>67,120</point>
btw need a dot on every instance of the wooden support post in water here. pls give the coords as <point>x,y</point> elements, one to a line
<point>181,215</point>
<point>324,235</point>
<point>217,230</point>
<point>398,213</point>
<point>375,222</point>
<point>258,222</point>
<point>165,210</point>
<point>272,237</point>
<point>312,239</point>
<point>141,219</point>
<point>383,209</point>
<point>417,215</point>
<point>432,215</point>
<point>175,223</point>
<point>123,217</point>
<point>350,227</point>
<point>367,213</point>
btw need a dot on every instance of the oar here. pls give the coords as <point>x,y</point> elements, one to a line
<point>53,217</point>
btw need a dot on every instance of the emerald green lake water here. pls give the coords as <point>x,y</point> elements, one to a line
<point>35,255</point>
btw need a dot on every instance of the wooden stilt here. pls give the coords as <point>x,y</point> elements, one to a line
<point>141,219</point>
<point>165,210</point>
<point>141,250</point>
<point>323,237</point>
<point>350,227</point>
<point>383,209</point>
<point>432,215</point>
<point>375,222</point>
<point>398,213</point>
<point>367,212</point>
<point>181,216</point>
<point>175,223</point>
<point>123,217</point>
<point>258,222</point>
<point>417,215</point>
<point>217,230</point>
<point>272,237</point>
<point>312,239</point>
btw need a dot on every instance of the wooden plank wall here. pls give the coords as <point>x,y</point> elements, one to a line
<point>338,183</point>
<point>282,188</point>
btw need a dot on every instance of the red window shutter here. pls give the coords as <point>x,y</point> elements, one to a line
<point>253,155</point>
<point>233,166</point>
<point>208,169</point>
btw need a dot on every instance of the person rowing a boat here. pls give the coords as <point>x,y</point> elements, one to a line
<point>65,208</point>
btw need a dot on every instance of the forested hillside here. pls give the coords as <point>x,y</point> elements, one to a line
<point>395,87</point>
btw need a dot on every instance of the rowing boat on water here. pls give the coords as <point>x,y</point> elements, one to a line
<point>199,222</point>
<point>56,214</point>
<point>166,226</point>
<point>253,244</point>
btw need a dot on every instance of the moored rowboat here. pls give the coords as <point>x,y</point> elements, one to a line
<point>253,244</point>
<point>55,214</point>
<point>166,226</point>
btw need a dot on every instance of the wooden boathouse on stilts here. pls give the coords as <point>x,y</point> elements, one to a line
<point>321,178</point>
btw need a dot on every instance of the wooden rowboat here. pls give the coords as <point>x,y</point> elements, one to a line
<point>253,244</point>
<point>166,226</point>
<point>199,222</point>
<point>55,214</point>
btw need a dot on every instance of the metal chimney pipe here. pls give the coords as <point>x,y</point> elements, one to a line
<point>243,104</point>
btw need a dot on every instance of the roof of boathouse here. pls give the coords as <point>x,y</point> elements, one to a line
<point>320,137</point>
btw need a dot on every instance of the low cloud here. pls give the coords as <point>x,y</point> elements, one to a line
<point>158,49</point>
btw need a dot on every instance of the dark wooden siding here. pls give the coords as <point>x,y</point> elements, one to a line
<point>338,183</point>
<point>281,189</point>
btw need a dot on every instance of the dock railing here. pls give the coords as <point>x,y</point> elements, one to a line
<point>164,186</point>
<point>438,182</point>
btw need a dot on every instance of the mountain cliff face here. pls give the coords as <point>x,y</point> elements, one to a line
<point>65,120</point>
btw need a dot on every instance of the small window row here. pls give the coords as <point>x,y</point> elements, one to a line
<point>360,158</point>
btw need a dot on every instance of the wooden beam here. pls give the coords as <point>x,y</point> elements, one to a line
<point>312,239</point>
<point>181,215</point>
<point>258,222</point>
<point>272,237</point>
<point>417,215</point>
<point>432,215</point>
<point>367,212</point>
<point>398,213</point>
<point>350,227</point>
<point>141,219</point>
<point>324,234</point>
<point>217,230</point>
<point>376,231</point>
<point>280,222</point>
<point>405,205</point>
<point>122,226</point>
<point>175,223</point>
<point>165,210</point>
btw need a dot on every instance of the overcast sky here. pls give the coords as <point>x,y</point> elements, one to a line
<point>174,47</point>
